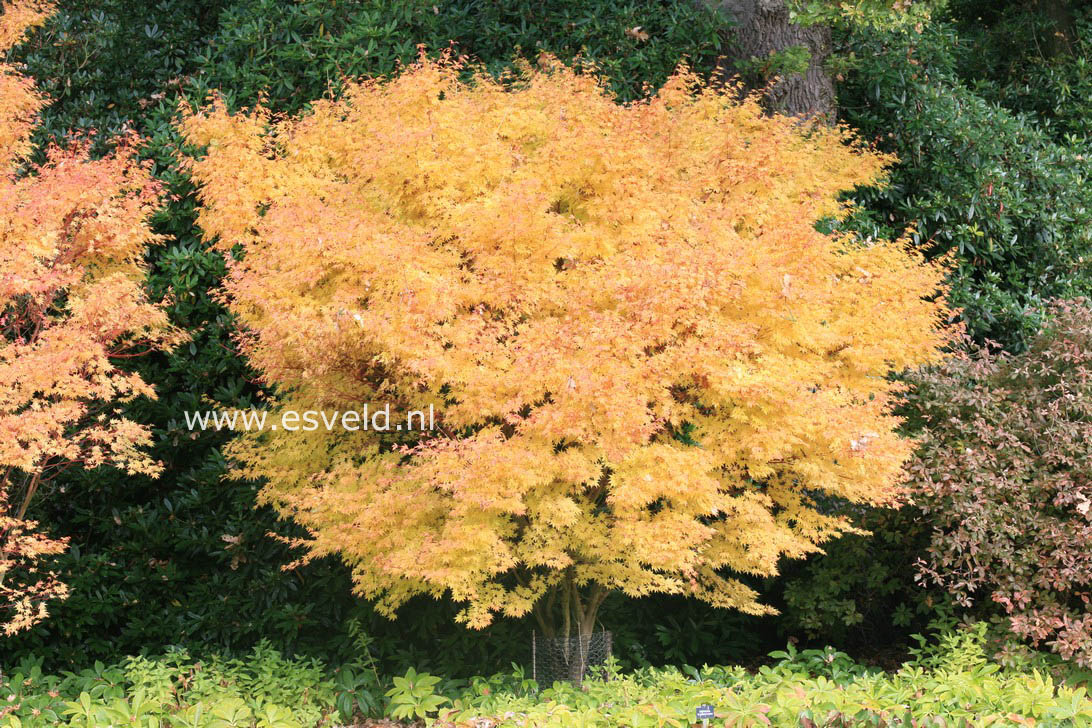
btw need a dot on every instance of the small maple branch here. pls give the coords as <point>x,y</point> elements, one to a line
<point>566,606</point>
<point>595,600</point>
<point>60,466</point>
<point>31,490</point>
<point>578,608</point>
<point>543,625</point>
<point>545,613</point>
<point>131,354</point>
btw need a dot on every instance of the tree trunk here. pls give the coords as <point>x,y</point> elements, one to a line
<point>567,616</point>
<point>763,28</point>
<point>1062,24</point>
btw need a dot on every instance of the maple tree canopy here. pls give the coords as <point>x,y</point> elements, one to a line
<point>73,232</point>
<point>644,360</point>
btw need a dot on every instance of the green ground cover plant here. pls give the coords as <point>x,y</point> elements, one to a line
<point>949,681</point>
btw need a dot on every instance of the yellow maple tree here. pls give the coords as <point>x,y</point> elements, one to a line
<point>73,232</point>
<point>644,360</point>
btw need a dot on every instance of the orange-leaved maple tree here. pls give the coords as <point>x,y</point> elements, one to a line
<point>73,232</point>
<point>644,363</point>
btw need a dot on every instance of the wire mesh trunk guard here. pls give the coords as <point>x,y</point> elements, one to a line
<point>567,659</point>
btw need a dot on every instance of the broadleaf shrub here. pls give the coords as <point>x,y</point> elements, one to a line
<point>295,52</point>
<point>1018,56</point>
<point>1003,475</point>
<point>105,64</point>
<point>860,593</point>
<point>976,181</point>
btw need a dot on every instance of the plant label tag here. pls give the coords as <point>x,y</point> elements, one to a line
<point>705,712</point>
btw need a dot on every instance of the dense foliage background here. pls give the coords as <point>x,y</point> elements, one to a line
<point>987,111</point>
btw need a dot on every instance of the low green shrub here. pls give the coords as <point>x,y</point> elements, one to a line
<point>861,592</point>
<point>946,686</point>
<point>949,682</point>
<point>264,690</point>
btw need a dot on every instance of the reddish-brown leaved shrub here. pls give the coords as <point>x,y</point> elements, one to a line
<point>1004,474</point>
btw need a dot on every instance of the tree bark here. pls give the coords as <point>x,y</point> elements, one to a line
<point>763,27</point>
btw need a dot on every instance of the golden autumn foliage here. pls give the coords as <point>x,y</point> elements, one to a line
<point>72,237</point>
<point>643,359</point>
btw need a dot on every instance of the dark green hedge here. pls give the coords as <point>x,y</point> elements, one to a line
<point>977,180</point>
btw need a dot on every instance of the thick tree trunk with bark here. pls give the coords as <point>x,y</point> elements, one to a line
<point>763,27</point>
